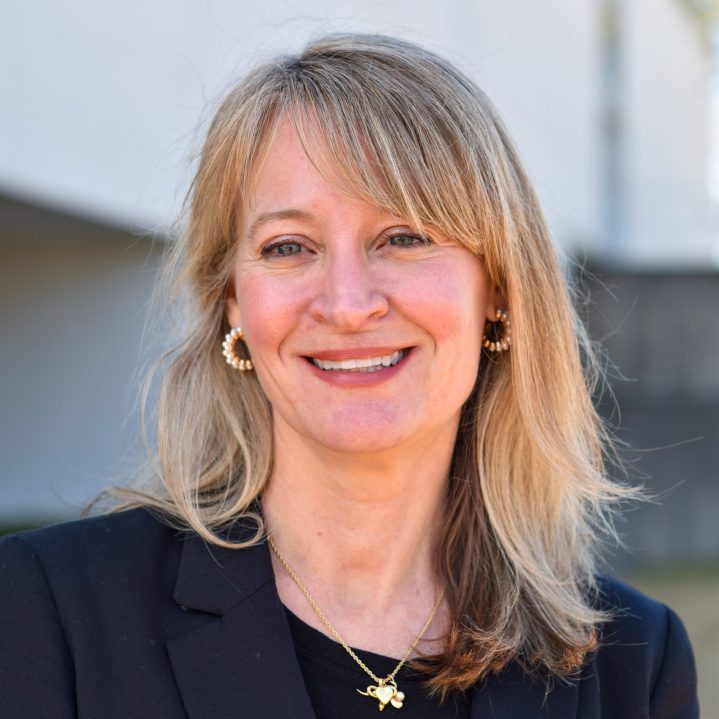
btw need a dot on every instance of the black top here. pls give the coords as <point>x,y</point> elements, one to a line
<point>332,679</point>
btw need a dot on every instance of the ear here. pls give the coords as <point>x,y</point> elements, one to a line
<point>495,301</point>
<point>232,306</point>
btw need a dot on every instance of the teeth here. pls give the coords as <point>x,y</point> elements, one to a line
<point>370,364</point>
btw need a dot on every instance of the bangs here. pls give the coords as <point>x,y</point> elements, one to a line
<point>389,142</point>
<point>391,155</point>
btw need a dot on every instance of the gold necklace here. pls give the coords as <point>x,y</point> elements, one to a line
<point>385,690</point>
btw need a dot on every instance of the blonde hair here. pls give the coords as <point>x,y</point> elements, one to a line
<point>528,496</point>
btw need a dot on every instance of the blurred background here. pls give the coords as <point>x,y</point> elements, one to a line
<point>614,105</point>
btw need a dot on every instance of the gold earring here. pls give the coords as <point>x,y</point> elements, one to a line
<point>229,353</point>
<point>499,344</point>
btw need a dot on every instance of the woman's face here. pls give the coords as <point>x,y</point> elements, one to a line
<point>364,335</point>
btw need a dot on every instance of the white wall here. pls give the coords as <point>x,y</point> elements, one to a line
<point>541,64</point>
<point>101,101</point>
<point>666,124</point>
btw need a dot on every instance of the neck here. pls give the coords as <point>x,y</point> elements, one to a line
<point>359,530</point>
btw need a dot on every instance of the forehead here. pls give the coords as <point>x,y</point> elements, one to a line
<point>300,172</point>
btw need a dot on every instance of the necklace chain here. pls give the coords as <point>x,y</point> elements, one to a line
<point>381,682</point>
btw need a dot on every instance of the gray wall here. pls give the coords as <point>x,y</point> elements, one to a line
<point>662,333</point>
<point>73,296</point>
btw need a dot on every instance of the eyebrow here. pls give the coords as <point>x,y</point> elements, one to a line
<point>288,214</point>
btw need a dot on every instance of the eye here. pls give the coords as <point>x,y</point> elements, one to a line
<point>282,248</point>
<point>407,239</point>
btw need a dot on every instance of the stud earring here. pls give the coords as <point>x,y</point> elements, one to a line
<point>230,354</point>
<point>501,343</point>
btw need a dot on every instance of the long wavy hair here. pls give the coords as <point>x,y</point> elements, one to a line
<point>528,497</point>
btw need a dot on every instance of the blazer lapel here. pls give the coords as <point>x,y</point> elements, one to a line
<point>513,695</point>
<point>240,662</point>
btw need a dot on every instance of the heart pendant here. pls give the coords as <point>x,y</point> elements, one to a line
<point>385,694</point>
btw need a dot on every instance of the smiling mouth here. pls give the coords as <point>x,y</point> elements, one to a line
<point>366,364</point>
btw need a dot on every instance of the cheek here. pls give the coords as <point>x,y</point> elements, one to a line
<point>452,303</point>
<point>270,310</point>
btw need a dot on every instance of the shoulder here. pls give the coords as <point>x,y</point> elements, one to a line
<point>115,532</point>
<point>74,594</point>
<point>102,550</point>
<point>645,652</point>
<point>635,617</point>
<point>99,528</point>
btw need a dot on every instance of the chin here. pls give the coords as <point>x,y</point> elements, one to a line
<point>354,442</point>
<point>359,437</point>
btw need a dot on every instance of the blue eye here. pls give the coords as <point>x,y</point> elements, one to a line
<point>282,249</point>
<point>407,240</point>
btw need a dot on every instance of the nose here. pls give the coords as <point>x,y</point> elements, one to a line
<point>350,294</point>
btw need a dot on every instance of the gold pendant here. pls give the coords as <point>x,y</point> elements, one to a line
<point>385,694</point>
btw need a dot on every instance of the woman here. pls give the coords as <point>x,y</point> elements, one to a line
<point>399,406</point>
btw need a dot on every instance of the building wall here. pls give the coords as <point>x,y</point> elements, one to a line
<point>661,332</point>
<point>103,104</point>
<point>665,66</point>
<point>72,316</point>
<point>541,63</point>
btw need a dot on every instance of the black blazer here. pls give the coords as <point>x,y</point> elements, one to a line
<point>123,617</point>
